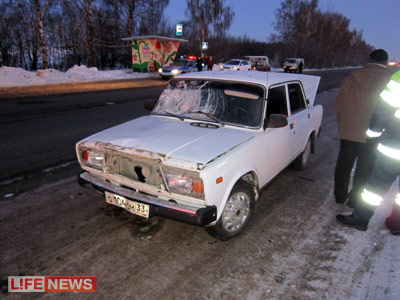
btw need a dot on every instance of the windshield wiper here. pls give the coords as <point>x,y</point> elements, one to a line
<point>166,113</point>
<point>210,116</point>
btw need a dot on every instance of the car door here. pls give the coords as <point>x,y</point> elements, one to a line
<point>243,66</point>
<point>277,142</point>
<point>192,66</point>
<point>299,116</point>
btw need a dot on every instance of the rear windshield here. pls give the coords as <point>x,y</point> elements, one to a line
<point>233,62</point>
<point>180,63</point>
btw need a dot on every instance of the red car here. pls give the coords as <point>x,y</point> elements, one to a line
<point>261,66</point>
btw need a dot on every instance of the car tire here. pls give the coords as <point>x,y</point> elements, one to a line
<point>236,214</point>
<point>301,162</point>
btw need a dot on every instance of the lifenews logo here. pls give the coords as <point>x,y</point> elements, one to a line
<point>29,284</point>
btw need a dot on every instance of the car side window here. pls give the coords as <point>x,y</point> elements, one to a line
<point>276,102</point>
<point>296,98</point>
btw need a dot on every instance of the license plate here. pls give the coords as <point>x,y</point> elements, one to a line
<point>133,207</point>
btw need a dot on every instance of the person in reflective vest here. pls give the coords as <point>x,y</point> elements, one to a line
<point>384,126</point>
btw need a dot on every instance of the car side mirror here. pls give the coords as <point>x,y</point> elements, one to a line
<point>149,104</point>
<point>276,121</point>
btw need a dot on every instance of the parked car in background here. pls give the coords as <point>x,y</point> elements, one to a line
<point>211,143</point>
<point>236,65</point>
<point>180,66</point>
<point>261,66</point>
<point>293,65</point>
<point>252,59</point>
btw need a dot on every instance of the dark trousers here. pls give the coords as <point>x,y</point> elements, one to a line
<point>365,153</point>
<point>384,174</point>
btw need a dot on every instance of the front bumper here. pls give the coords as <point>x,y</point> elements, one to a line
<point>183,213</point>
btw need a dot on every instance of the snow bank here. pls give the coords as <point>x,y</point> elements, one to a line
<point>18,77</point>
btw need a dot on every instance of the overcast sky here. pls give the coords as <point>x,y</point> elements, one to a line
<point>378,19</point>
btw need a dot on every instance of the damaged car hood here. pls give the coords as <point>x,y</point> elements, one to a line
<point>177,142</point>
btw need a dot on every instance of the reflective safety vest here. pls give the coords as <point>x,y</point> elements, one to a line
<point>374,199</point>
<point>391,94</point>
<point>386,120</point>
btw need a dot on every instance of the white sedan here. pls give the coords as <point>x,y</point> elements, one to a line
<point>236,65</point>
<point>213,140</point>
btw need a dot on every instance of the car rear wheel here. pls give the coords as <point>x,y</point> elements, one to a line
<point>236,214</point>
<point>301,161</point>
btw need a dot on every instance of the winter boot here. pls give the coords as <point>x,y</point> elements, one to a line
<point>353,220</point>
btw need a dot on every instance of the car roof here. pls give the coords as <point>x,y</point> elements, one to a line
<point>267,79</point>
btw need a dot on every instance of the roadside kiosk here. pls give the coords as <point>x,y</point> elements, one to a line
<point>150,52</point>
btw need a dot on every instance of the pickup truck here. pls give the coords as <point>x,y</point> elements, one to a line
<point>212,141</point>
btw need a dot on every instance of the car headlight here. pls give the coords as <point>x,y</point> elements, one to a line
<point>187,184</point>
<point>174,72</point>
<point>160,70</point>
<point>93,158</point>
<point>234,67</point>
<point>221,67</point>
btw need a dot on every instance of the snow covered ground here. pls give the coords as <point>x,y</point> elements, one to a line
<point>10,77</point>
<point>18,77</point>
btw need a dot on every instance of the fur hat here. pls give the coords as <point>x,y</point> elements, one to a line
<point>379,56</point>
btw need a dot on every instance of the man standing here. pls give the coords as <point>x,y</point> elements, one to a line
<point>354,107</point>
<point>384,126</point>
<point>199,63</point>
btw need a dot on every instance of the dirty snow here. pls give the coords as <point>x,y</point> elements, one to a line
<point>17,77</point>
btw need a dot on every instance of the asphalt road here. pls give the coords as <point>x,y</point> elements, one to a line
<point>292,249</point>
<point>40,132</point>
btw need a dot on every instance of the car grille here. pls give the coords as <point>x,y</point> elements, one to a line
<point>133,167</point>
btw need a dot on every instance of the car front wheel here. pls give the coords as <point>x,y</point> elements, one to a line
<point>236,214</point>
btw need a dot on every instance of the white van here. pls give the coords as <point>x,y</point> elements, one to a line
<point>252,60</point>
<point>293,64</point>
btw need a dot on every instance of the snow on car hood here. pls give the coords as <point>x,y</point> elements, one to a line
<point>178,142</point>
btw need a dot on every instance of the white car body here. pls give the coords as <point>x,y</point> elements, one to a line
<point>220,154</point>
<point>236,65</point>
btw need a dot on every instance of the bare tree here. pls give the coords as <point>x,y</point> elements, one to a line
<point>204,13</point>
<point>322,38</point>
<point>40,11</point>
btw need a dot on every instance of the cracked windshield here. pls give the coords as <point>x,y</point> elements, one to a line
<point>210,101</point>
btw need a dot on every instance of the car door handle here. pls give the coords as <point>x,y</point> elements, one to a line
<point>291,125</point>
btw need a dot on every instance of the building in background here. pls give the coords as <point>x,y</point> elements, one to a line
<point>150,52</point>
